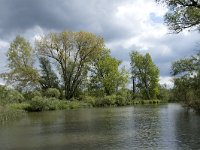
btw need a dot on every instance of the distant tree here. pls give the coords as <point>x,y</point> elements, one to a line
<point>22,75</point>
<point>106,75</point>
<point>182,14</point>
<point>48,77</point>
<point>145,74</point>
<point>73,52</point>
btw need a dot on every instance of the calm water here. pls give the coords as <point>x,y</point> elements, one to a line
<point>162,127</point>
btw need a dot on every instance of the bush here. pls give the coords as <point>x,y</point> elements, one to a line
<point>19,106</point>
<point>43,103</point>
<point>106,101</point>
<point>121,100</point>
<point>89,100</point>
<point>38,104</point>
<point>52,92</point>
<point>55,104</point>
<point>10,96</point>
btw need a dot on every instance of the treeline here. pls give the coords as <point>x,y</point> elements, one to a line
<point>76,66</point>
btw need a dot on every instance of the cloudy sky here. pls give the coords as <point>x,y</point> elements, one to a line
<point>125,25</point>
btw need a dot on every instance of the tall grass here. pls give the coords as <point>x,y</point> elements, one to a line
<point>7,114</point>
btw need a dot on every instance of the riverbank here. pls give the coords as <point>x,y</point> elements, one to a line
<point>44,104</point>
<point>37,104</point>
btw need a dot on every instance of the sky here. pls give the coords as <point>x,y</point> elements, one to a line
<point>125,25</point>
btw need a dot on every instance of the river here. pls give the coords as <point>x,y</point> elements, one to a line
<point>160,127</point>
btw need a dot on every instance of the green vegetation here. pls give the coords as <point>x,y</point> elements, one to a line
<point>182,14</point>
<point>185,14</point>
<point>145,76</point>
<point>9,114</point>
<point>76,71</point>
<point>186,74</point>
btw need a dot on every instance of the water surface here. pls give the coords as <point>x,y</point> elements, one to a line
<point>159,127</point>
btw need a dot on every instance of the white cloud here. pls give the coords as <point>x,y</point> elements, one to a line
<point>166,80</point>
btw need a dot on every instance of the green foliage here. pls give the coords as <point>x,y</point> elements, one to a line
<point>164,93</point>
<point>22,75</point>
<point>19,106</point>
<point>7,114</point>
<point>39,104</point>
<point>55,104</point>
<point>73,53</point>
<point>49,78</point>
<point>42,104</point>
<point>106,76</point>
<point>106,101</point>
<point>124,97</point>
<point>121,100</point>
<point>15,96</point>
<point>31,94</point>
<point>154,101</point>
<point>89,100</point>
<point>10,96</point>
<point>77,104</point>
<point>145,75</point>
<point>187,79</point>
<point>182,14</point>
<point>52,92</point>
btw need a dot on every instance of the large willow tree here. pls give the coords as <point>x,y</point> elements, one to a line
<point>73,53</point>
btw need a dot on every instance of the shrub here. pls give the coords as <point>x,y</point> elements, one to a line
<point>43,103</point>
<point>106,101</point>
<point>11,96</point>
<point>38,104</point>
<point>36,93</point>
<point>55,104</point>
<point>19,106</point>
<point>120,100</point>
<point>89,100</point>
<point>52,92</point>
<point>29,95</point>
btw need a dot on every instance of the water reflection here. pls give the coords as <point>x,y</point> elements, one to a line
<point>141,127</point>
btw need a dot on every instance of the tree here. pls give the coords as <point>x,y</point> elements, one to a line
<point>22,75</point>
<point>48,77</point>
<point>73,52</point>
<point>186,74</point>
<point>182,14</point>
<point>106,75</point>
<point>145,74</point>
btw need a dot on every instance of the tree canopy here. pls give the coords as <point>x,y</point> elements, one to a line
<point>73,52</point>
<point>182,14</point>
<point>106,75</point>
